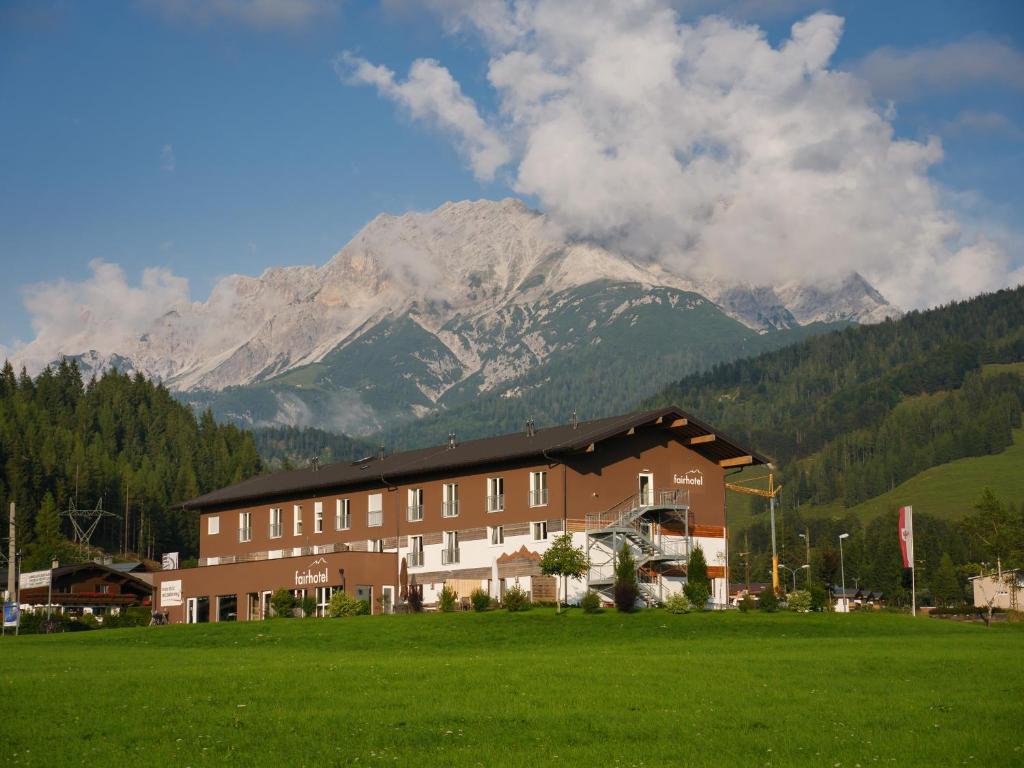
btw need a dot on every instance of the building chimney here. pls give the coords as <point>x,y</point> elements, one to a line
<point>451,440</point>
<point>529,428</point>
<point>380,453</point>
<point>314,463</point>
<point>575,422</point>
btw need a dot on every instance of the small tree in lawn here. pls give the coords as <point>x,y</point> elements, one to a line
<point>565,560</point>
<point>626,589</point>
<point>698,585</point>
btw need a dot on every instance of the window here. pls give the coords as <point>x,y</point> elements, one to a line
<point>495,494</point>
<point>450,500</point>
<point>213,525</point>
<point>318,517</point>
<point>245,526</point>
<point>415,556</point>
<point>374,510</point>
<point>450,553</point>
<point>538,489</point>
<point>415,508</point>
<point>498,534</point>
<point>376,545</point>
<point>103,589</point>
<point>342,515</point>
<point>539,530</point>
<point>275,523</point>
<point>297,520</point>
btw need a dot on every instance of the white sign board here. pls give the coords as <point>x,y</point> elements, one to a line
<point>33,579</point>
<point>170,593</point>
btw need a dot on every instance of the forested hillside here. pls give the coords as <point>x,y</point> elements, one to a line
<point>849,415</point>
<point>119,439</point>
<point>291,447</point>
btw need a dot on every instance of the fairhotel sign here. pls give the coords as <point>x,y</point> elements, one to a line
<point>693,477</point>
<point>313,574</point>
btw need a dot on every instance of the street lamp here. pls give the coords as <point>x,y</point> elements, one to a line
<point>807,560</point>
<point>794,571</point>
<point>842,571</point>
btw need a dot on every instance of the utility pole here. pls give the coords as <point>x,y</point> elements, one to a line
<point>11,558</point>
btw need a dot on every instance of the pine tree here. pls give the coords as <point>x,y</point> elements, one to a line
<point>48,543</point>
<point>945,588</point>
<point>626,590</point>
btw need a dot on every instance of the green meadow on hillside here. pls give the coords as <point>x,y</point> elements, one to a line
<point>651,689</point>
<point>948,491</point>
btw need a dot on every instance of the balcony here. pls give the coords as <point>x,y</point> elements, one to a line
<point>245,534</point>
<point>415,559</point>
<point>539,497</point>
<point>414,513</point>
<point>275,530</point>
<point>450,509</point>
<point>450,556</point>
<point>496,503</point>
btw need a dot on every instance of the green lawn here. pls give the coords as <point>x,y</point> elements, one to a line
<point>532,689</point>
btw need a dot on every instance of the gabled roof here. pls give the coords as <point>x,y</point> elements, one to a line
<point>560,441</point>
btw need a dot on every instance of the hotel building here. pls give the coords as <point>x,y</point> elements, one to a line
<point>477,514</point>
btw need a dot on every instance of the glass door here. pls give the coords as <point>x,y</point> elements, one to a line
<point>646,489</point>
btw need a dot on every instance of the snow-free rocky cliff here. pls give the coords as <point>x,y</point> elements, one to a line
<point>428,309</point>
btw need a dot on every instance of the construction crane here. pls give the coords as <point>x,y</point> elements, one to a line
<point>769,493</point>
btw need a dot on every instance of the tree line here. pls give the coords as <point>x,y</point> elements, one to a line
<point>118,440</point>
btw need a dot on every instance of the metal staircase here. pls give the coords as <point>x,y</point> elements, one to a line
<point>655,525</point>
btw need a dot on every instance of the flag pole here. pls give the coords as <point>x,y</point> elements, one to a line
<point>913,589</point>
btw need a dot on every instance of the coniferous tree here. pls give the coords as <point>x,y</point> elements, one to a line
<point>627,592</point>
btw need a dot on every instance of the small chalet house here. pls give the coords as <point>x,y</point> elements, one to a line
<point>89,588</point>
<point>477,514</point>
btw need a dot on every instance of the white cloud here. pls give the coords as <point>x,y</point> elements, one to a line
<point>703,146</point>
<point>265,14</point>
<point>984,123</point>
<point>430,93</point>
<point>167,161</point>
<point>910,74</point>
<point>103,312</point>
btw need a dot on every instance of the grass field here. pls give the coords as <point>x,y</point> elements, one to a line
<point>500,689</point>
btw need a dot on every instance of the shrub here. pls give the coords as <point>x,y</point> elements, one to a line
<point>626,590</point>
<point>308,606</point>
<point>591,602</point>
<point>767,601</point>
<point>415,600</point>
<point>678,603</point>
<point>819,598</point>
<point>343,604</point>
<point>364,607</point>
<point>747,603</point>
<point>480,599</point>
<point>698,594</point>
<point>516,599</point>
<point>282,602</point>
<point>448,600</point>
<point>799,601</point>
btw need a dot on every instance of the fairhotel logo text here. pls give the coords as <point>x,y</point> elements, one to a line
<point>693,477</point>
<point>310,576</point>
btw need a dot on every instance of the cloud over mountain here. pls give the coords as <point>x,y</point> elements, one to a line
<point>703,146</point>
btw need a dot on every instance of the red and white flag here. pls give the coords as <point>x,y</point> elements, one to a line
<point>907,536</point>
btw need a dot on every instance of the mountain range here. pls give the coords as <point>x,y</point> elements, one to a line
<point>425,311</point>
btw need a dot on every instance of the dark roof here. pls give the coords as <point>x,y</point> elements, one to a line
<point>551,441</point>
<point>73,569</point>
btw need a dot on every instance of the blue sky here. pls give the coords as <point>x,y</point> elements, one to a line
<point>212,140</point>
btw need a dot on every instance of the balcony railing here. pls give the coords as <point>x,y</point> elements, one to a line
<point>450,509</point>
<point>415,512</point>
<point>450,556</point>
<point>245,534</point>
<point>343,523</point>
<point>539,497</point>
<point>275,530</point>
<point>415,559</point>
<point>375,518</point>
<point>496,503</point>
